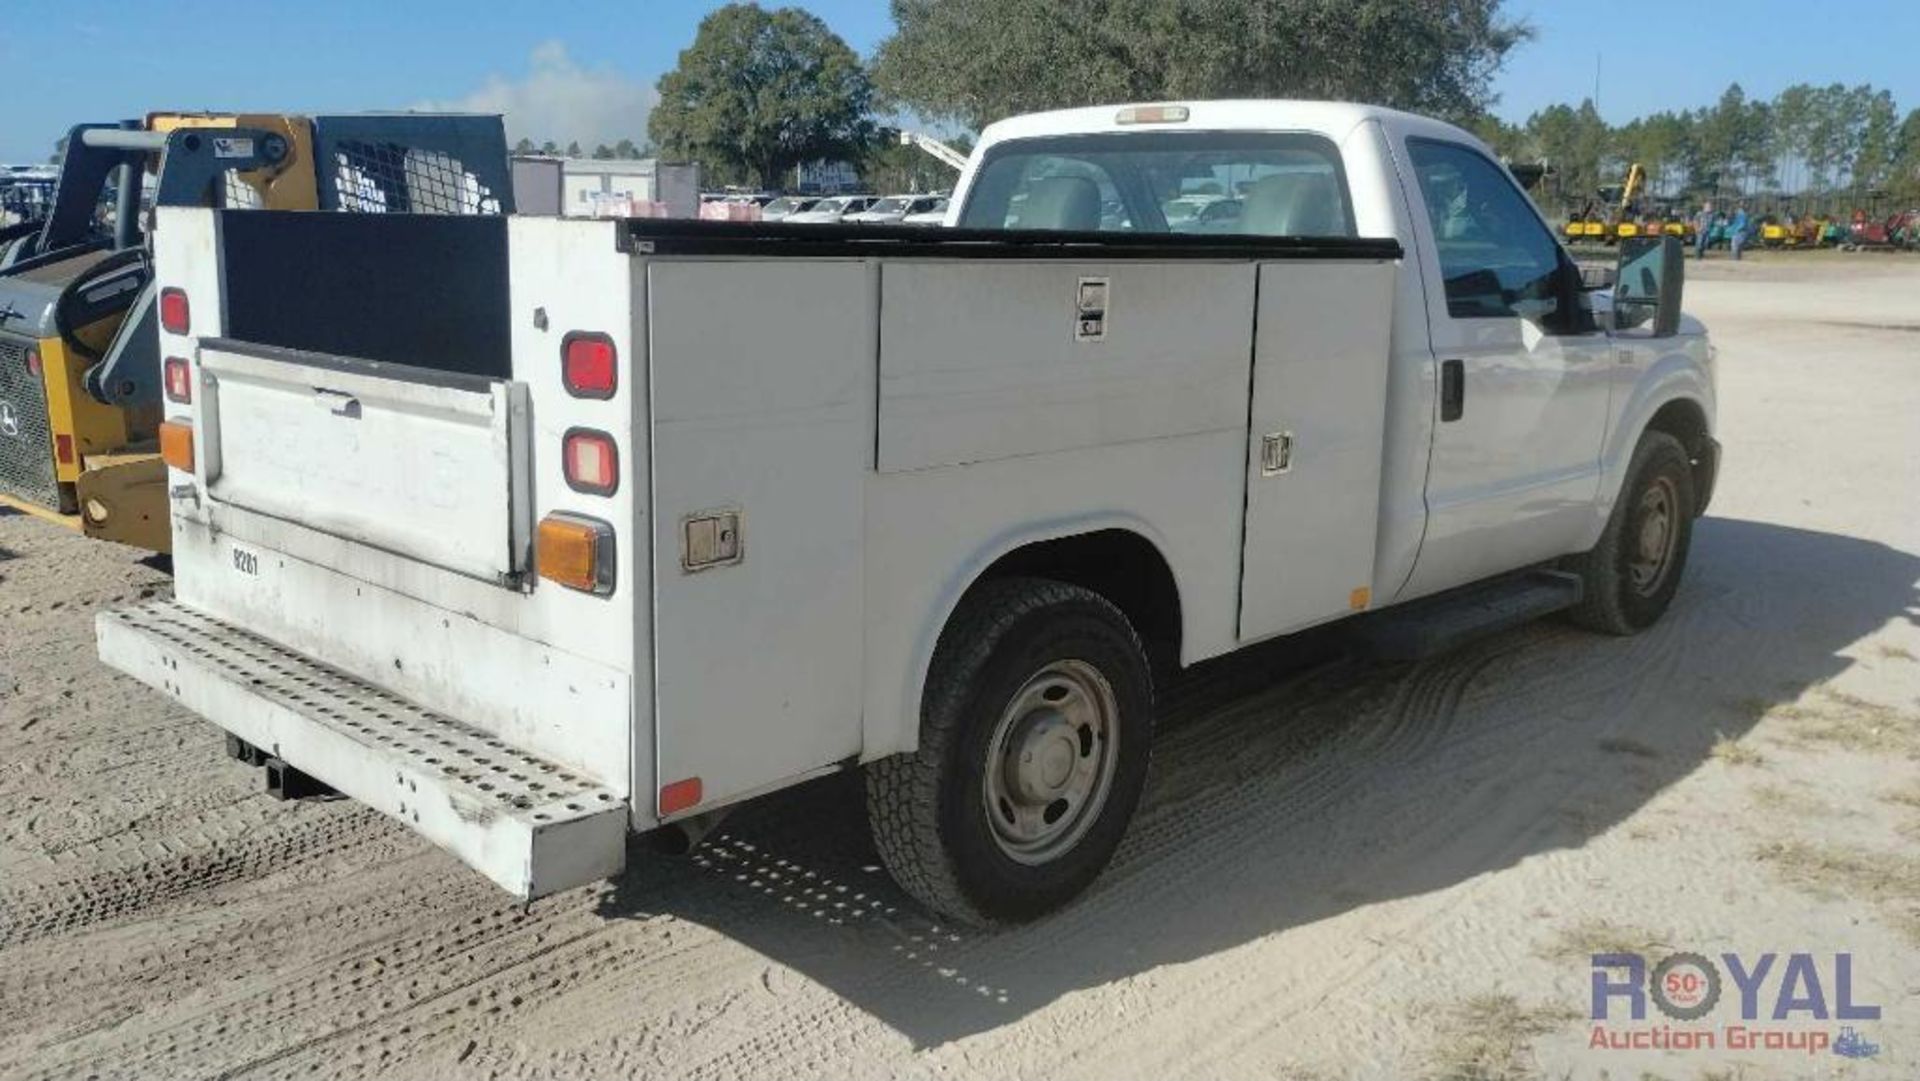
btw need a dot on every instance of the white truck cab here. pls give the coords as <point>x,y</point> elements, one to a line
<point>533,532</point>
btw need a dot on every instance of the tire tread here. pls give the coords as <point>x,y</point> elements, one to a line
<point>903,791</point>
<point>1601,606</point>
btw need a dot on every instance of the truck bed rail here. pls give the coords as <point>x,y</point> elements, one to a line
<point>670,236</point>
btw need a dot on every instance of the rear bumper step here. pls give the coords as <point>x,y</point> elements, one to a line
<point>532,827</point>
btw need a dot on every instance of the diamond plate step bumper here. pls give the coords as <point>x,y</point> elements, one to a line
<point>531,826</point>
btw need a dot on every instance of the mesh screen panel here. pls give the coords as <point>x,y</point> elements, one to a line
<point>237,194</point>
<point>26,439</point>
<point>392,178</point>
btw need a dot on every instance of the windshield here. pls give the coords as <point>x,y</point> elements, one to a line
<point>1259,183</point>
<point>891,206</point>
<point>788,204</point>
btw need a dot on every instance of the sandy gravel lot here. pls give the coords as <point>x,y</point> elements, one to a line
<point>1340,870</point>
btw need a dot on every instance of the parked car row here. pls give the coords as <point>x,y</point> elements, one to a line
<point>857,209</point>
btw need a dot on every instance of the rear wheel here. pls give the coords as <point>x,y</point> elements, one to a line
<point>1036,729</point>
<point>1630,576</point>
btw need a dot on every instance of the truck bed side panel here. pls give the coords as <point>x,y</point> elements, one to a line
<point>762,396</point>
<point>981,360</point>
<point>1319,391</point>
<point>932,532</point>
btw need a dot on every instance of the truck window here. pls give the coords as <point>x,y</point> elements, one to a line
<point>1498,260</point>
<point>1257,183</point>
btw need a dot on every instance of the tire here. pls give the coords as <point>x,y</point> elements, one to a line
<point>963,823</point>
<point>1627,588</point>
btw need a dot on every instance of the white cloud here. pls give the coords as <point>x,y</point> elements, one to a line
<point>562,101</point>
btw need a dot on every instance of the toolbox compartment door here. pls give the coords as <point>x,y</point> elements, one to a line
<point>1318,425</point>
<point>425,464</point>
<point>763,428</point>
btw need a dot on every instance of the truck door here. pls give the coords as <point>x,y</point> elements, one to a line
<point>1523,374</point>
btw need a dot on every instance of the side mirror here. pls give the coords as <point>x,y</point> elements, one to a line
<point>1647,284</point>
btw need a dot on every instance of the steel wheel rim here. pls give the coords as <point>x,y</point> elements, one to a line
<point>1655,538</point>
<point>1051,761</point>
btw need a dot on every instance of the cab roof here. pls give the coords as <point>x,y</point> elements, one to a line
<point>1334,119</point>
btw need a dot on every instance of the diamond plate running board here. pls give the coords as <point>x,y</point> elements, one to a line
<point>531,826</point>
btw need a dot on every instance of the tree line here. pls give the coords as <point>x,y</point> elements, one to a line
<point>1821,147</point>
<point>624,150</point>
<point>758,92</point>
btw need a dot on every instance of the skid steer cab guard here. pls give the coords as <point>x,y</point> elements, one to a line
<point>82,382</point>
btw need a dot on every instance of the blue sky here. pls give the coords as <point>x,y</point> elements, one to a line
<point>585,68</point>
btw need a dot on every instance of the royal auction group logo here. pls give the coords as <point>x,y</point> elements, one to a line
<point>1803,1004</point>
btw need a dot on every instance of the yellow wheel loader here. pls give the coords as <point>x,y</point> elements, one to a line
<point>81,379</point>
<point>1609,217</point>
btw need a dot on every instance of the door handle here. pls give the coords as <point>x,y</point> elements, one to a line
<point>1453,389</point>
<point>1276,453</point>
<point>339,403</point>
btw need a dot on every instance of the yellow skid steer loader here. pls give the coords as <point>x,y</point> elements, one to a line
<point>81,381</point>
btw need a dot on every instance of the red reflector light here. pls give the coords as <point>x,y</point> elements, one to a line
<point>175,315</point>
<point>679,796</point>
<point>588,365</point>
<point>591,460</point>
<point>179,380</point>
<point>63,449</point>
<point>33,362</point>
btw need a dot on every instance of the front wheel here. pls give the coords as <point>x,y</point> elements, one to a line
<point>1036,730</point>
<point>1630,576</point>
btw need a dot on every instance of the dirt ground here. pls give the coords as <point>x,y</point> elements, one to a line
<point>1343,870</point>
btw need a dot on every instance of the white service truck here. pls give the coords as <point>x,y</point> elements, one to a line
<point>531,533</point>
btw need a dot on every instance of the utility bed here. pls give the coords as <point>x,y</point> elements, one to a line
<point>693,511</point>
<point>810,437</point>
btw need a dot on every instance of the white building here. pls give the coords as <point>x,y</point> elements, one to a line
<point>826,177</point>
<point>590,187</point>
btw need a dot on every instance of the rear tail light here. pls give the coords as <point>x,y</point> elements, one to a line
<point>63,449</point>
<point>176,317</point>
<point>575,551</point>
<point>589,365</point>
<point>592,462</point>
<point>176,444</point>
<point>179,380</point>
